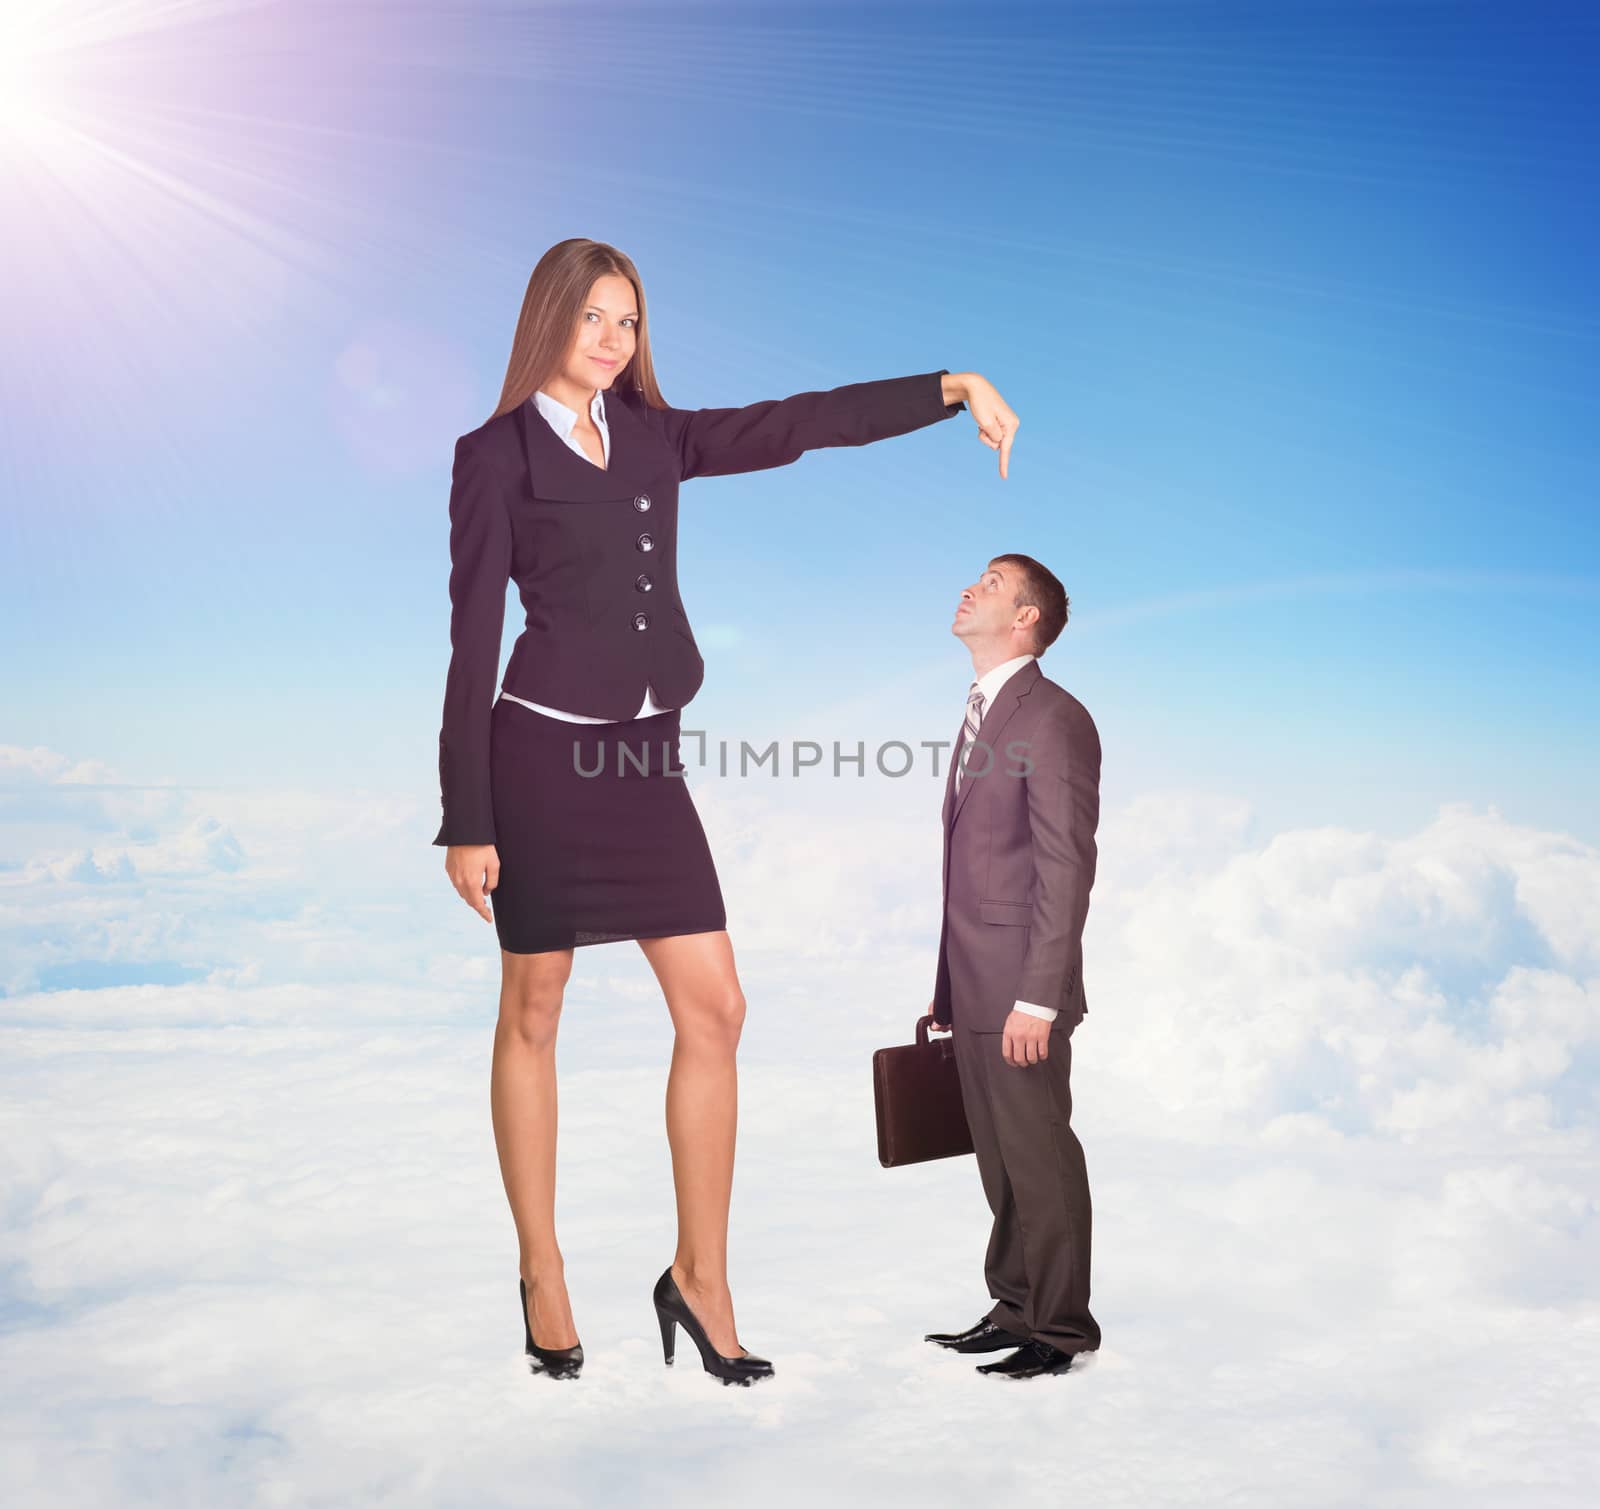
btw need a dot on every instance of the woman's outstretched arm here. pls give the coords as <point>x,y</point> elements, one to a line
<point>774,432</point>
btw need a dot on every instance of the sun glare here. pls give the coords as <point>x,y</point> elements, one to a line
<point>22,66</point>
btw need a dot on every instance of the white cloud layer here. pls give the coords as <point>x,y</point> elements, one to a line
<point>1337,1092</point>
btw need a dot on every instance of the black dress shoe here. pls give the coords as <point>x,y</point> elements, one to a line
<point>986,1336</point>
<point>1030,1360</point>
<point>558,1362</point>
<point>672,1310</point>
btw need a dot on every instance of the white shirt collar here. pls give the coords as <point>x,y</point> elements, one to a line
<point>562,419</point>
<point>990,682</point>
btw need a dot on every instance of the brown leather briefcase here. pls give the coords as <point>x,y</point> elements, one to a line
<point>918,1099</point>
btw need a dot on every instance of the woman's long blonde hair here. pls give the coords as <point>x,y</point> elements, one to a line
<point>558,292</point>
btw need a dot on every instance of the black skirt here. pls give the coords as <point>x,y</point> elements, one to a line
<point>597,836</point>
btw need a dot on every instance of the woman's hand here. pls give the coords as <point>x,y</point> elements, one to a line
<point>474,870</point>
<point>997,424</point>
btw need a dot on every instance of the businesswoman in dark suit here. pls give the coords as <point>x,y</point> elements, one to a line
<point>566,818</point>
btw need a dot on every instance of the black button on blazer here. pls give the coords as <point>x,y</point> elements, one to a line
<point>593,552</point>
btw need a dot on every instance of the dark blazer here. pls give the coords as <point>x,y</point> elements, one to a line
<point>593,552</point>
<point>1019,858</point>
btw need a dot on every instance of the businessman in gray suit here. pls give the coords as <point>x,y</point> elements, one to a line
<point>1022,801</point>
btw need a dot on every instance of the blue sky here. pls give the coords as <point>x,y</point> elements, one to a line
<point>1296,304</point>
<point>1291,300</point>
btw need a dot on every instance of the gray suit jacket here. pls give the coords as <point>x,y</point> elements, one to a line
<point>1019,858</point>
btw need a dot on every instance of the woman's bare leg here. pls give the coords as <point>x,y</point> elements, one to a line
<point>697,975</point>
<point>522,1100</point>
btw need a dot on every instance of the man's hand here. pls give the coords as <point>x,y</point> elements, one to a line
<point>938,1026</point>
<point>474,870</point>
<point>1026,1039</point>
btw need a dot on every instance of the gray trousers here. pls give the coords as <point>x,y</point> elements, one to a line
<point>1037,1184</point>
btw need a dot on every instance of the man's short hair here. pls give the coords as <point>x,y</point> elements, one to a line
<point>1038,587</point>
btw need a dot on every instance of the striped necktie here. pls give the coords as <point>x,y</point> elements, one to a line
<point>974,718</point>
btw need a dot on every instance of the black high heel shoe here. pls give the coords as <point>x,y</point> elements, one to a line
<point>672,1310</point>
<point>558,1362</point>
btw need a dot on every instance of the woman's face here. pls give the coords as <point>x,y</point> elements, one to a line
<point>603,343</point>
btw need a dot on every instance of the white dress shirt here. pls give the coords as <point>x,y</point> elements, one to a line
<point>989,683</point>
<point>562,420</point>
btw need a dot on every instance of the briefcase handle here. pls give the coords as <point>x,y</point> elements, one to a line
<point>924,1022</point>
